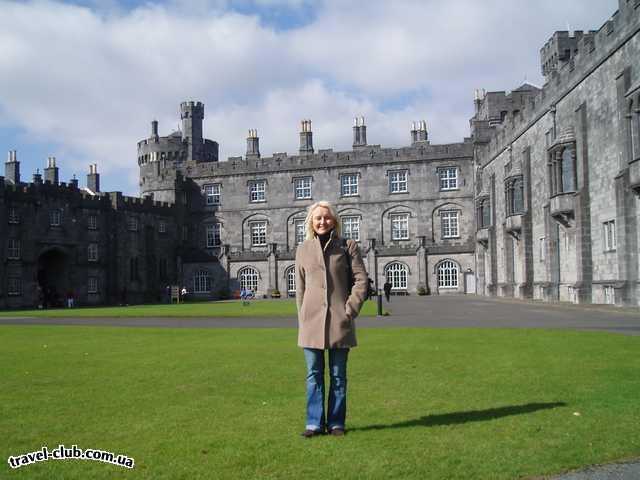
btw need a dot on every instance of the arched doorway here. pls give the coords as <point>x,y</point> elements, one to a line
<point>53,277</point>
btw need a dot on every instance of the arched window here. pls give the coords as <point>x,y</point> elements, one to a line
<point>290,275</point>
<point>448,274</point>
<point>202,282</point>
<point>396,274</point>
<point>248,278</point>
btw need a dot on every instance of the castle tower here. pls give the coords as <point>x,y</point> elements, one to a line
<point>12,168</point>
<point>253,144</point>
<point>359,132</point>
<point>51,172</point>
<point>419,132</point>
<point>37,177</point>
<point>93,178</point>
<point>154,129</point>
<point>306,138</point>
<point>192,114</point>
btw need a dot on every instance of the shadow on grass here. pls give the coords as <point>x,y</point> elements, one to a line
<point>456,418</point>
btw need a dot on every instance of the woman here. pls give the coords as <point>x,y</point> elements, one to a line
<point>331,286</point>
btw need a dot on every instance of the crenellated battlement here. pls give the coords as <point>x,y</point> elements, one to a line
<point>325,158</point>
<point>566,60</point>
<point>137,204</point>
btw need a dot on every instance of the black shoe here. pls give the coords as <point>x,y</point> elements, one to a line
<point>337,432</point>
<point>311,433</point>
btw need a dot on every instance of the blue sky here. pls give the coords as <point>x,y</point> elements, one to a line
<point>82,80</point>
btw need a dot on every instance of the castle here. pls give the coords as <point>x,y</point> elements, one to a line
<point>540,202</point>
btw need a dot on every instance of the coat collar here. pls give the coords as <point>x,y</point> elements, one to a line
<point>332,237</point>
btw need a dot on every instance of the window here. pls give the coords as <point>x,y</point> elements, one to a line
<point>13,249</point>
<point>248,278</point>
<point>302,188</point>
<point>449,221</point>
<point>14,286</point>
<point>562,170</point>
<point>349,184</point>
<point>257,191</point>
<point>351,228</point>
<point>300,230</point>
<point>13,215</point>
<point>258,233</point>
<point>133,269</point>
<point>202,281</point>
<point>162,226</point>
<point>448,178</point>
<point>633,128</point>
<point>92,222</point>
<point>162,268</point>
<point>396,274</point>
<point>609,233</point>
<point>213,235</point>
<point>400,226</point>
<point>398,182</point>
<point>609,295</point>
<point>132,224</point>
<point>92,252</point>
<point>448,274</point>
<point>212,194</point>
<point>55,217</point>
<point>514,190</point>
<point>92,285</point>
<point>185,233</point>
<point>484,213</point>
<point>542,242</point>
<point>568,171</point>
<point>291,281</point>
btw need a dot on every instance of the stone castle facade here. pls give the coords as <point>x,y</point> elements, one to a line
<point>557,172</point>
<point>540,202</point>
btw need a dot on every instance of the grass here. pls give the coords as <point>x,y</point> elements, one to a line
<point>229,308</point>
<point>228,403</point>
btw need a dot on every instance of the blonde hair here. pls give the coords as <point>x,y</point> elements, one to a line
<point>308,222</point>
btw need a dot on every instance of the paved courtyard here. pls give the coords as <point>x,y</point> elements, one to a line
<point>413,311</point>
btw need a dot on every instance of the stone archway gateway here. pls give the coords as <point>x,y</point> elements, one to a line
<point>53,277</point>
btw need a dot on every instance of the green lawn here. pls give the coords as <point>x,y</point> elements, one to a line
<point>228,403</point>
<point>229,308</point>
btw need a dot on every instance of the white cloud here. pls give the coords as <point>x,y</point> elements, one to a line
<point>91,81</point>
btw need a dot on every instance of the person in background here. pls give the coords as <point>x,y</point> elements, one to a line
<point>327,307</point>
<point>387,290</point>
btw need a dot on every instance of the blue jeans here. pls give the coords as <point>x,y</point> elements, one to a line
<point>337,408</point>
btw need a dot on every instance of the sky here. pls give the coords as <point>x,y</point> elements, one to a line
<point>82,80</point>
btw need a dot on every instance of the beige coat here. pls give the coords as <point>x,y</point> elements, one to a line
<point>326,308</point>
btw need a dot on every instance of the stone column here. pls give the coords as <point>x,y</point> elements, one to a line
<point>272,266</point>
<point>225,262</point>
<point>372,262</point>
<point>421,254</point>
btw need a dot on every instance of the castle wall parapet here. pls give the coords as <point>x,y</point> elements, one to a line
<point>592,49</point>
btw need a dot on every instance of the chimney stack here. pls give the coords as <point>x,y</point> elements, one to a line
<point>154,129</point>
<point>359,132</point>
<point>93,178</point>
<point>306,138</point>
<point>419,132</point>
<point>37,178</point>
<point>51,172</point>
<point>253,144</point>
<point>12,168</point>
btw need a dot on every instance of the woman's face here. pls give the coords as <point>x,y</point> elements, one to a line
<point>322,220</point>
